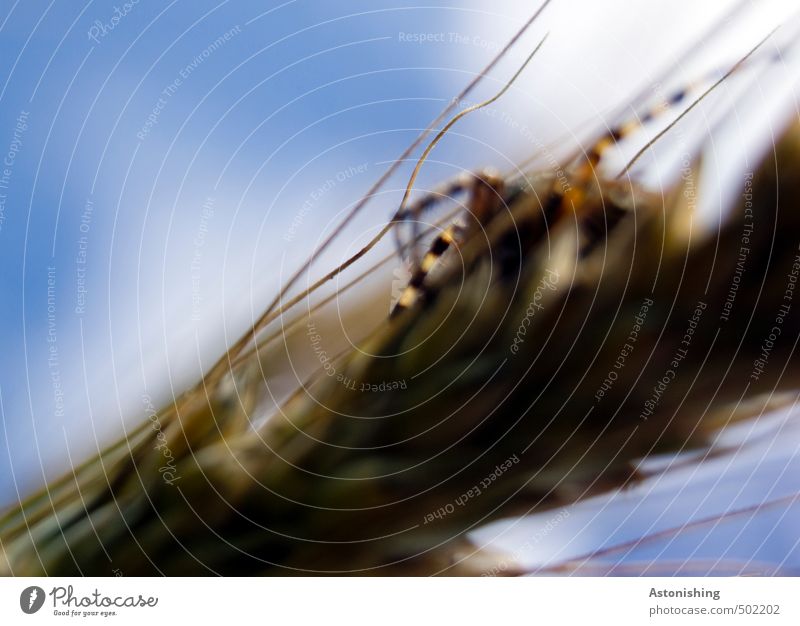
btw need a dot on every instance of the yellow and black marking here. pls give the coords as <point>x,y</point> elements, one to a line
<point>627,128</point>
<point>676,98</point>
<point>486,195</point>
<point>574,199</point>
<point>450,190</point>
<point>624,130</point>
<point>595,219</point>
<point>439,246</point>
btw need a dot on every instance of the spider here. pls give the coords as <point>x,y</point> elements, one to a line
<point>595,202</point>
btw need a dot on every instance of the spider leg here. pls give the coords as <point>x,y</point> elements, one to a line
<point>595,224</point>
<point>485,190</point>
<point>699,88</point>
<point>415,286</point>
<point>413,213</point>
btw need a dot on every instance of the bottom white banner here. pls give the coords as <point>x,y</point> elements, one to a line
<point>400,600</point>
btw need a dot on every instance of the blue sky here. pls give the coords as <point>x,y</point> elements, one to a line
<point>137,119</point>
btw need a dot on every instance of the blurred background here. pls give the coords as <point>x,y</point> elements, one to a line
<point>167,165</point>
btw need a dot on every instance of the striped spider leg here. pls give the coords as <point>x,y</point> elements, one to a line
<point>586,190</point>
<point>485,194</point>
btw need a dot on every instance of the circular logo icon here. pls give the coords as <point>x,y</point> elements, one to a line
<point>31,599</point>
